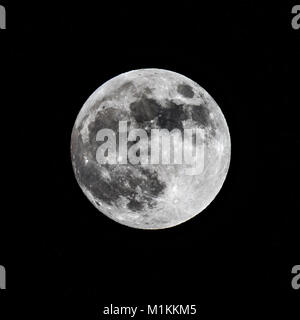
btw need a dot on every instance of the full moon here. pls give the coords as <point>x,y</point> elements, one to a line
<point>149,195</point>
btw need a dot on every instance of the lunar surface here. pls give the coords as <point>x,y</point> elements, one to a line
<point>150,195</point>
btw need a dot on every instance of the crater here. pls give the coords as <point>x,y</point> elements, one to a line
<point>185,90</point>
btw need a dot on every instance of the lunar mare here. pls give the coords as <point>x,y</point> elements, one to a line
<point>150,196</point>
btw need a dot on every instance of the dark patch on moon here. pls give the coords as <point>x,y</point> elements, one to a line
<point>147,90</point>
<point>171,117</point>
<point>135,205</point>
<point>144,109</point>
<point>200,114</point>
<point>111,190</point>
<point>122,183</point>
<point>185,90</point>
<point>152,184</point>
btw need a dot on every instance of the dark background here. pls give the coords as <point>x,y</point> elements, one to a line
<point>66,260</point>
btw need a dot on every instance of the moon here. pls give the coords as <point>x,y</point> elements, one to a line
<point>151,195</point>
